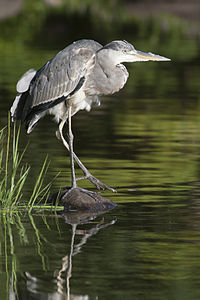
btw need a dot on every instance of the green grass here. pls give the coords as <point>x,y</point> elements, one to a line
<point>13,175</point>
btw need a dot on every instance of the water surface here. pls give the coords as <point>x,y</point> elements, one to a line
<point>144,142</point>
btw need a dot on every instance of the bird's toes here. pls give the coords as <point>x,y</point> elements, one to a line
<point>96,182</point>
<point>100,185</point>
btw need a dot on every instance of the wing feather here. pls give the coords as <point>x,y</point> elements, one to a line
<point>57,80</point>
<point>60,76</point>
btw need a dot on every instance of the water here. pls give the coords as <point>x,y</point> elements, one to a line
<point>136,251</point>
<point>144,142</point>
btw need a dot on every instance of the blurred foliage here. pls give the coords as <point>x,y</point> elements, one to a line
<point>33,36</point>
<point>42,25</point>
<point>36,15</point>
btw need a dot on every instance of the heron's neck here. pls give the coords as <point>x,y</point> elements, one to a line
<point>109,75</point>
<point>107,61</point>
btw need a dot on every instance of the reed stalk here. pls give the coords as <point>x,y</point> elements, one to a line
<point>13,174</point>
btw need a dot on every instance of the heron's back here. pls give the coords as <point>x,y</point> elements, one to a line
<point>57,80</point>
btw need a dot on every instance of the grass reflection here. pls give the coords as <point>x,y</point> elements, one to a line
<point>9,265</point>
<point>15,234</point>
<point>29,243</point>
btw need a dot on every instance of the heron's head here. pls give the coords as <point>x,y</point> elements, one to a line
<point>122,51</point>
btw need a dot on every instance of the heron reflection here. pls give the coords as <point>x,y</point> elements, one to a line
<point>75,219</point>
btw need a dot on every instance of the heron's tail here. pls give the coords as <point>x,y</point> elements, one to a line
<point>17,109</point>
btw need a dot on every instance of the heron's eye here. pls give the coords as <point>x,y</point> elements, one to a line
<point>124,51</point>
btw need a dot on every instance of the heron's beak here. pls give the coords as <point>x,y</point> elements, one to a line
<point>143,56</point>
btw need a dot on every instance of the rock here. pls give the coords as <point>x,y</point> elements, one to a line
<point>81,199</point>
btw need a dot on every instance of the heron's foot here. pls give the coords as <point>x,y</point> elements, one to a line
<point>99,185</point>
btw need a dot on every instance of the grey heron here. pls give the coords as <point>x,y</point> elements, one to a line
<point>71,81</point>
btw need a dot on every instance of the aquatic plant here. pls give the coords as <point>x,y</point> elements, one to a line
<point>13,174</point>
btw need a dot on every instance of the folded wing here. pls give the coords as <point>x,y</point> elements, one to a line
<point>55,82</point>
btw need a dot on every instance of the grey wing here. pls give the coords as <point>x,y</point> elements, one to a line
<point>57,80</point>
<point>60,76</point>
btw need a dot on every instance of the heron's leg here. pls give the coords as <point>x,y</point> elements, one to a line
<point>71,138</point>
<point>99,185</point>
<point>59,134</point>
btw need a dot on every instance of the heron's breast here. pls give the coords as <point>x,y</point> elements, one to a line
<point>59,111</point>
<point>106,80</point>
<point>80,101</point>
